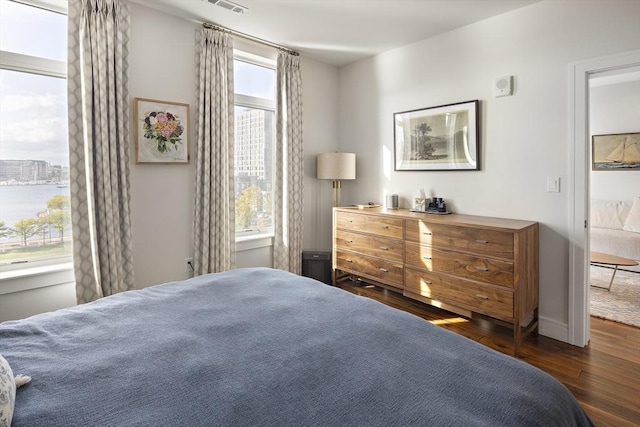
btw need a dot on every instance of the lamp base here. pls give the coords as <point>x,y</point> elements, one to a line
<point>336,192</point>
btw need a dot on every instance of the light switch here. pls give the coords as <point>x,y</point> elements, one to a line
<point>553,184</point>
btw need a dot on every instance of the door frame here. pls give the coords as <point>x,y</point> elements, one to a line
<point>579,320</point>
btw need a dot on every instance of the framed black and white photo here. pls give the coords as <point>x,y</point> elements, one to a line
<point>439,138</point>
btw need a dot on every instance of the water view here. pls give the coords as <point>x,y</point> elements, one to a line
<point>29,202</point>
<point>25,201</point>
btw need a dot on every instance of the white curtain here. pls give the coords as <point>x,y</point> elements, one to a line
<point>214,216</point>
<point>288,203</point>
<point>98,37</point>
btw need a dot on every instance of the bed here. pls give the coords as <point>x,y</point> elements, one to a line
<point>265,347</point>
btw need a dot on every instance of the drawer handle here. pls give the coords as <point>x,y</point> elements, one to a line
<point>427,257</point>
<point>348,260</point>
<point>482,296</point>
<point>428,233</point>
<point>482,241</point>
<point>481,268</point>
<point>384,248</point>
<point>386,270</point>
<point>427,282</point>
<point>386,227</point>
<point>349,241</point>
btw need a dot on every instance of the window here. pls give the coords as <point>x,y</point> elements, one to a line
<point>254,81</point>
<point>34,158</point>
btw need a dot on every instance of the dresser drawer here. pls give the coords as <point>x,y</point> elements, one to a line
<point>462,263</point>
<point>369,244</point>
<point>379,225</point>
<point>494,302</point>
<point>382,270</point>
<point>459,264</point>
<point>488,242</point>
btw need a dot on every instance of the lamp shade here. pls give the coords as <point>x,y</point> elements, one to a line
<point>336,166</point>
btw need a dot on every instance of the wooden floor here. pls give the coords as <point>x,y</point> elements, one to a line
<point>604,376</point>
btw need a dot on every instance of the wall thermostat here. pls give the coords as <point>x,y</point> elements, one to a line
<point>503,86</point>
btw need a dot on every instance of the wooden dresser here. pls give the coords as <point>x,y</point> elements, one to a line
<point>470,265</point>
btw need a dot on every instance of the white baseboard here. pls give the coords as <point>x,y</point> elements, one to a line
<point>553,329</point>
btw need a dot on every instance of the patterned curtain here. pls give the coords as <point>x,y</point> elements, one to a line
<point>98,147</point>
<point>214,217</point>
<point>288,207</point>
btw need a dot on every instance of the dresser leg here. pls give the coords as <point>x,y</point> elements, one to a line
<point>517,339</point>
<point>519,333</point>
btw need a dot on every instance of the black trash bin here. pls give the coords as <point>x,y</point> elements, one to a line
<point>317,265</point>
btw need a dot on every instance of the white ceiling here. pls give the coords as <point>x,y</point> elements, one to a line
<point>338,32</point>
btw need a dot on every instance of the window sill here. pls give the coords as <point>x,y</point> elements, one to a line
<point>246,243</point>
<point>56,274</point>
<point>35,277</point>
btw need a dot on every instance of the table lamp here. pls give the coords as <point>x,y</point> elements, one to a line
<point>336,166</point>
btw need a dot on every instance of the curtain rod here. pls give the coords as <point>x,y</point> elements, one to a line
<point>248,37</point>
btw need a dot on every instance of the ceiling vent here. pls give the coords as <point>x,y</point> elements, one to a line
<point>229,5</point>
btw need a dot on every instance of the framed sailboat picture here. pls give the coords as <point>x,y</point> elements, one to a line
<point>619,151</point>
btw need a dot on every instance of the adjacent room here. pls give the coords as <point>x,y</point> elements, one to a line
<point>614,106</point>
<point>355,212</point>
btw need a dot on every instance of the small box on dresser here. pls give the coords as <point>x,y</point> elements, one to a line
<point>462,263</point>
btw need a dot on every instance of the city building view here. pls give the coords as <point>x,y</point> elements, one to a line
<point>34,210</point>
<point>253,163</point>
<point>34,194</point>
<point>34,153</point>
<point>21,172</point>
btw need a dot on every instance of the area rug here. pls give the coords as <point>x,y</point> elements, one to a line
<point>622,303</point>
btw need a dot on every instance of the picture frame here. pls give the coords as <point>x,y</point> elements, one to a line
<point>161,132</point>
<point>442,138</point>
<point>615,152</point>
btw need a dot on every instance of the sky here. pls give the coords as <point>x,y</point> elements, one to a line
<point>33,121</point>
<point>253,80</point>
<point>33,124</point>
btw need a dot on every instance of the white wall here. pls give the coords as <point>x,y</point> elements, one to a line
<point>24,295</point>
<point>320,133</point>
<point>524,137</point>
<point>162,195</point>
<point>18,305</point>
<point>614,109</point>
<point>162,66</point>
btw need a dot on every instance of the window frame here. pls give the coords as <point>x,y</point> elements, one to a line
<point>265,104</point>
<point>18,62</point>
<point>61,7</point>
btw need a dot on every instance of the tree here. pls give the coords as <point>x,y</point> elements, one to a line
<point>422,149</point>
<point>26,228</point>
<point>42,227</point>
<point>59,220</point>
<point>59,215</point>
<point>59,202</point>
<point>247,206</point>
<point>5,231</point>
<point>268,204</point>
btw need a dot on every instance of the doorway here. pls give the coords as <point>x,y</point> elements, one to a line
<point>614,117</point>
<point>581,72</point>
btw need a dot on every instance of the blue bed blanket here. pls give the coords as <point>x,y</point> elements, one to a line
<point>263,347</point>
